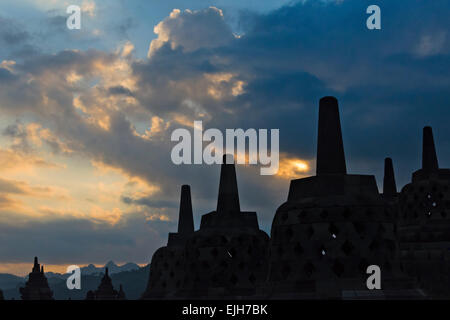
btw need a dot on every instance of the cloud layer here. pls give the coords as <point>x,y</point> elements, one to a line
<point>85,143</point>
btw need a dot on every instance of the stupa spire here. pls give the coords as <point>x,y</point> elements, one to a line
<point>389,185</point>
<point>429,158</point>
<point>185,219</point>
<point>36,267</point>
<point>330,148</point>
<point>228,201</point>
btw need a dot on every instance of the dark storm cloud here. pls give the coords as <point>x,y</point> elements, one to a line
<point>120,90</point>
<point>11,33</point>
<point>75,240</point>
<point>150,202</point>
<point>389,83</point>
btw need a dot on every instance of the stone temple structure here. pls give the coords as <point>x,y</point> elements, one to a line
<point>425,223</point>
<point>36,287</point>
<point>225,258</point>
<point>333,226</point>
<point>167,269</point>
<point>105,290</point>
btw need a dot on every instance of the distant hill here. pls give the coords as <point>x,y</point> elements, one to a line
<point>132,277</point>
<point>112,268</point>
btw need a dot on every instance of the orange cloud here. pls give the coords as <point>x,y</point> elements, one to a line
<point>293,168</point>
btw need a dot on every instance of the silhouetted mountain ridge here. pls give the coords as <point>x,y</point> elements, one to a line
<point>132,277</point>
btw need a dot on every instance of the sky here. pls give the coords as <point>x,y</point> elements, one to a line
<point>86,115</point>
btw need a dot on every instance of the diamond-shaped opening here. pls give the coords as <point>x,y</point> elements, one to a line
<point>233,279</point>
<point>286,270</point>
<point>302,214</point>
<point>359,228</point>
<point>334,231</point>
<point>347,247</point>
<point>374,245</point>
<point>298,248</point>
<point>289,233</point>
<point>309,269</point>
<point>391,245</point>
<point>280,251</point>
<point>322,251</point>
<point>346,213</point>
<point>338,268</point>
<point>310,232</point>
<point>171,274</point>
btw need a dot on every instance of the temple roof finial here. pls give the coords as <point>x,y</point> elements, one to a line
<point>185,219</point>
<point>330,148</point>
<point>389,185</point>
<point>228,201</point>
<point>429,158</point>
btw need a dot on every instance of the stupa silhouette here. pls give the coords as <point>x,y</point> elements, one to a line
<point>225,258</point>
<point>167,269</point>
<point>105,290</point>
<point>333,226</point>
<point>36,287</point>
<point>425,223</point>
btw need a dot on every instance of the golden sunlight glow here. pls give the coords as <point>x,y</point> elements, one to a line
<point>292,168</point>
